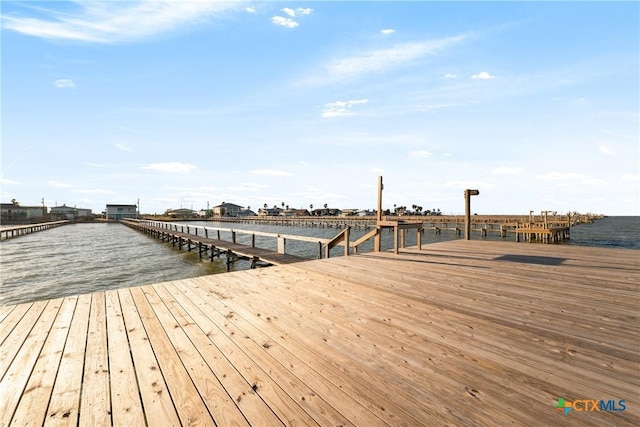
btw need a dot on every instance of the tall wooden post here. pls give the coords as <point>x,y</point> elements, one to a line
<point>377,241</point>
<point>467,211</point>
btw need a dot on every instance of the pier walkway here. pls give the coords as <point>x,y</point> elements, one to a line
<point>20,230</point>
<point>458,333</point>
<point>211,247</point>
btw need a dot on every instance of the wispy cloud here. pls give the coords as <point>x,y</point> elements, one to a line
<point>270,172</point>
<point>5,181</point>
<point>629,177</point>
<point>387,31</point>
<point>483,75</point>
<point>114,22</point>
<point>382,60</point>
<point>171,167</point>
<point>58,184</point>
<point>64,83</point>
<point>341,108</point>
<point>450,76</point>
<point>250,9</point>
<point>287,21</point>
<point>284,22</point>
<point>606,150</point>
<point>419,154</point>
<point>506,170</point>
<point>122,147</point>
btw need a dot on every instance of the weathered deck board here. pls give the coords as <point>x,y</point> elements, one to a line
<point>460,333</point>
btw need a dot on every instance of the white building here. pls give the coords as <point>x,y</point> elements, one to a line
<point>227,209</point>
<point>118,212</point>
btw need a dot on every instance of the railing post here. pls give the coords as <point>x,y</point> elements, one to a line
<point>281,244</point>
<point>319,250</point>
<point>346,241</point>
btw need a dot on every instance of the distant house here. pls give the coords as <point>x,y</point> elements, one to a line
<point>67,212</point>
<point>227,209</point>
<point>14,213</point>
<point>181,213</point>
<point>247,212</point>
<point>275,211</point>
<point>326,212</point>
<point>349,212</point>
<point>301,212</point>
<point>366,212</point>
<point>119,212</point>
<point>205,213</point>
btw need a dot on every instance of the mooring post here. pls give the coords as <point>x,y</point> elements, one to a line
<point>467,210</point>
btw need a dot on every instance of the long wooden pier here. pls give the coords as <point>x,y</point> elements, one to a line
<point>458,333</point>
<point>211,247</point>
<point>21,230</point>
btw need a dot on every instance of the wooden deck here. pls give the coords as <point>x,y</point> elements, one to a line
<point>460,333</point>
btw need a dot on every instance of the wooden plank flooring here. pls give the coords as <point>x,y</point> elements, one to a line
<point>460,333</point>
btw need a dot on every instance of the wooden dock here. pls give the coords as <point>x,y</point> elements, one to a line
<point>461,333</point>
<point>20,230</point>
<point>213,247</point>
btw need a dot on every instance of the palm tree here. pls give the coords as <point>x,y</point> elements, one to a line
<point>311,206</point>
<point>265,206</point>
<point>326,206</point>
<point>283,204</point>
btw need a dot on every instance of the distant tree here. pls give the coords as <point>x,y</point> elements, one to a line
<point>326,206</point>
<point>287,207</point>
<point>311,206</point>
<point>265,206</point>
<point>283,204</point>
<point>14,202</point>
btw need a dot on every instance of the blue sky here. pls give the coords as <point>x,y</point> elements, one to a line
<point>183,103</point>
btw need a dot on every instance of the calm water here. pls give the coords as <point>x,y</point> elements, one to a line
<point>82,258</point>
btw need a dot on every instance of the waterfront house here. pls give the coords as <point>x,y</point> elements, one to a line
<point>205,213</point>
<point>247,212</point>
<point>117,212</point>
<point>349,212</point>
<point>68,212</point>
<point>275,211</point>
<point>301,212</point>
<point>326,212</point>
<point>13,213</point>
<point>227,209</point>
<point>181,213</point>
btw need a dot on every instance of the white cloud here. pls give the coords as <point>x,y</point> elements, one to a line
<point>381,60</point>
<point>506,170</point>
<point>270,172</point>
<point>341,108</point>
<point>64,83</point>
<point>5,181</point>
<point>304,10</point>
<point>250,9</point>
<point>606,150</point>
<point>450,76</point>
<point>115,21</point>
<point>172,167</point>
<point>284,22</point>
<point>289,11</point>
<point>483,76</point>
<point>122,147</point>
<point>419,154</point>
<point>58,184</point>
<point>387,31</point>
